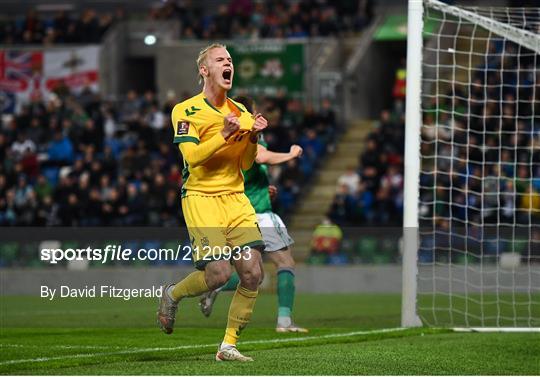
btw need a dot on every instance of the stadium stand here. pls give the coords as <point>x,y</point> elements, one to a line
<point>77,159</point>
<point>372,193</point>
<point>502,158</point>
<point>239,19</point>
<point>115,163</point>
<point>362,195</point>
<point>33,28</point>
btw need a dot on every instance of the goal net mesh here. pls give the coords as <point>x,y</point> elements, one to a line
<point>479,210</point>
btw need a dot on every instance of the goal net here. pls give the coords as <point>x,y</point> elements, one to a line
<point>479,177</point>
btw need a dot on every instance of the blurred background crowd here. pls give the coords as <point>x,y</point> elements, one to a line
<point>76,160</point>
<point>79,159</point>
<point>371,193</point>
<point>34,28</point>
<point>479,142</point>
<point>241,19</point>
<point>489,185</point>
<point>486,140</point>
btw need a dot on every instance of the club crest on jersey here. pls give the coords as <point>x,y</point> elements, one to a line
<point>182,128</point>
<point>205,242</point>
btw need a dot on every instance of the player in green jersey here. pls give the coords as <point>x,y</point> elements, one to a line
<point>275,236</point>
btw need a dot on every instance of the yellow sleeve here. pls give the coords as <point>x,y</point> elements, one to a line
<point>186,136</point>
<point>249,155</point>
<point>184,129</point>
<point>196,154</point>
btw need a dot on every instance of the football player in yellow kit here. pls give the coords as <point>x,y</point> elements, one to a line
<point>217,138</point>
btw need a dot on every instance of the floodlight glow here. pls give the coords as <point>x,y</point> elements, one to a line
<point>150,40</point>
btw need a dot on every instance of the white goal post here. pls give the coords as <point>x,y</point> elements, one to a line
<point>471,229</point>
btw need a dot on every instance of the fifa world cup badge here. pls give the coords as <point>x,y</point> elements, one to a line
<point>182,128</point>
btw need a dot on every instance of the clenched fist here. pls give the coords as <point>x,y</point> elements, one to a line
<point>260,124</point>
<point>296,151</point>
<point>272,191</point>
<point>231,124</point>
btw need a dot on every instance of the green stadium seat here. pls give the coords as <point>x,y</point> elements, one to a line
<point>8,253</point>
<point>317,259</point>
<point>347,247</point>
<point>367,249</point>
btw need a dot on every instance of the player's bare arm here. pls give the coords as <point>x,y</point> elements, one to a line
<point>264,156</point>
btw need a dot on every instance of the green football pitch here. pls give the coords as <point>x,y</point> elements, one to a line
<point>349,334</point>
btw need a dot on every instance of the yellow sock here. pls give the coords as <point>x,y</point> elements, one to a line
<point>240,311</point>
<point>191,286</point>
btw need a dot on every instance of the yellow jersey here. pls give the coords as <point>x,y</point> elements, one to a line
<point>196,120</point>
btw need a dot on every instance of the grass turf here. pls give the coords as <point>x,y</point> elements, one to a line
<point>105,336</point>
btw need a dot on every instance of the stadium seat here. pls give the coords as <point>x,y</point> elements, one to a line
<point>8,253</point>
<point>367,249</point>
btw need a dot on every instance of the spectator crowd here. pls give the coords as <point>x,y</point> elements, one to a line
<point>243,19</point>
<point>77,160</point>
<point>62,28</point>
<point>482,192</point>
<point>372,193</point>
<point>477,138</point>
<point>480,175</point>
<point>252,19</point>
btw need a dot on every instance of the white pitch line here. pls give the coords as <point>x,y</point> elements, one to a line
<point>62,346</point>
<point>192,346</point>
<point>70,311</point>
<point>496,329</point>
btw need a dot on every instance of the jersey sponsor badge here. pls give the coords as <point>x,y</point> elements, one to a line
<point>182,128</point>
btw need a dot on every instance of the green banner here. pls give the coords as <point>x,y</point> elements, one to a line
<point>265,68</point>
<point>394,28</point>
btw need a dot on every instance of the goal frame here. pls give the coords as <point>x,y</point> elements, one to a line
<point>411,192</point>
<point>412,161</point>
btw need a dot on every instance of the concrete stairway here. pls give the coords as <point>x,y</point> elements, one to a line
<point>316,201</point>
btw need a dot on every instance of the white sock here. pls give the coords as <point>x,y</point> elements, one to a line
<point>225,346</point>
<point>284,321</point>
<point>169,292</point>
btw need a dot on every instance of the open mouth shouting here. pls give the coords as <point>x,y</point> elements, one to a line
<point>227,76</point>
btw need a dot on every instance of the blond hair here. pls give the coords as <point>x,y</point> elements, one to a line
<point>203,54</point>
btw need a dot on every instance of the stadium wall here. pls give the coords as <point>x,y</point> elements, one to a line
<point>176,68</point>
<point>309,279</point>
<point>174,62</point>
